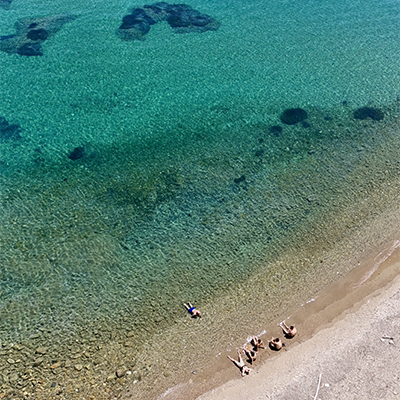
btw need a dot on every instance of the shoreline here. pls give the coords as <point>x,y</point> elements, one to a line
<point>329,314</point>
<point>343,359</point>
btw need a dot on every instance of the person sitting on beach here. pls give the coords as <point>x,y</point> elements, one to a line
<point>289,332</point>
<point>244,369</point>
<point>275,344</point>
<point>257,343</point>
<point>251,355</point>
<point>192,310</point>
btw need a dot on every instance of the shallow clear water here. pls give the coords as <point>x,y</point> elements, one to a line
<point>183,192</point>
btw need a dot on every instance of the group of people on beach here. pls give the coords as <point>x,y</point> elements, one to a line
<point>256,344</point>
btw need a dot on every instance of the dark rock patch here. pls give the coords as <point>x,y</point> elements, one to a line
<point>306,124</point>
<point>31,33</point>
<point>37,34</point>
<point>184,19</point>
<point>259,153</point>
<point>30,49</point>
<point>276,130</point>
<point>369,112</point>
<point>241,179</point>
<point>5,37</point>
<point>292,116</point>
<point>77,153</point>
<point>9,131</point>
<point>240,184</point>
<point>180,17</point>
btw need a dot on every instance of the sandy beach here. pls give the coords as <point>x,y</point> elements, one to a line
<point>347,346</point>
<point>356,355</point>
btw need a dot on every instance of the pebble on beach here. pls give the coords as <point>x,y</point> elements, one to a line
<point>120,373</point>
<point>38,362</point>
<point>78,367</point>
<point>136,376</point>
<point>41,350</point>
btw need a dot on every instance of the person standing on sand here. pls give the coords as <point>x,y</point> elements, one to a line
<point>244,369</point>
<point>192,310</point>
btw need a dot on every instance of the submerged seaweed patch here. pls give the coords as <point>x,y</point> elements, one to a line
<point>292,116</point>
<point>180,17</point>
<point>31,33</point>
<point>374,113</point>
<point>9,131</point>
<point>276,130</point>
<point>77,153</point>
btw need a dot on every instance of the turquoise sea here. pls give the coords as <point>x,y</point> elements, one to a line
<point>136,175</point>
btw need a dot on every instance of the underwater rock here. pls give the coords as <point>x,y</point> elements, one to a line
<point>369,112</point>
<point>276,130</point>
<point>5,4</point>
<point>292,116</point>
<point>77,153</point>
<point>31,33</point>
<point>37,34</point>
<point>241,179</point>
<point>185,19</point>
<point>181,18</point>
<point>9,131</point>
<point>30,49</point>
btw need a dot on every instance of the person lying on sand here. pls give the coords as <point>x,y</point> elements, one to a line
<point>257,343</point>
<point>244,369</point>
<point>289,332</point>
<point>192,310</point>
<point>251,355</point>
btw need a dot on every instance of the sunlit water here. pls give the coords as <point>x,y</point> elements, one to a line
<point>184,193</point>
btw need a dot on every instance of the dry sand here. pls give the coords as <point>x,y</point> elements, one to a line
<point>349,336</point>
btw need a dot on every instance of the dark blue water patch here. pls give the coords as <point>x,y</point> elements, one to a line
<point>292,116</point>
<point>276,130</point>
<point>30,49</point>
<point>5,37</point>
<point>31,33</point>
<point>180,17</point>
<point>77,153</point>
<point>373,113</point>
<point>9,131</point>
